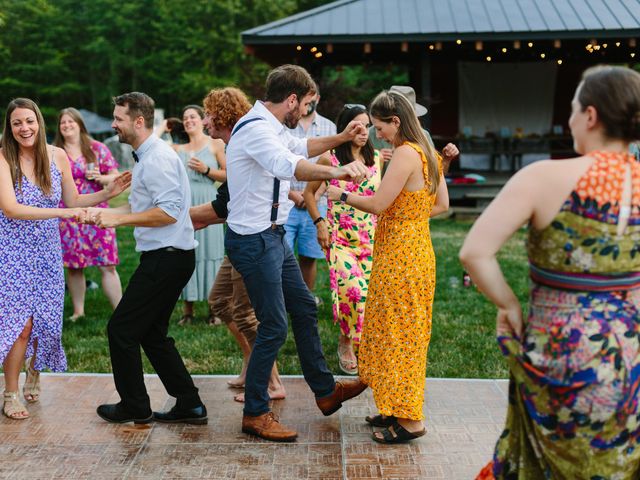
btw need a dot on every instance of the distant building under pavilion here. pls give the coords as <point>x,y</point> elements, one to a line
<point>497,75</point>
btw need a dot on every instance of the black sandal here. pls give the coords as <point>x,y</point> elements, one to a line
<point>396,433</point>
<point>380,420</point>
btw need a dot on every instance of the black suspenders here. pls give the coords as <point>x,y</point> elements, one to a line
<point>276,182</point>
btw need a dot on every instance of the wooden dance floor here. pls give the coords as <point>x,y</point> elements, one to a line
<point>65,439</point>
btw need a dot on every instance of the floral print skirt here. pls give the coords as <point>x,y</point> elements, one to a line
<point>574,389</point>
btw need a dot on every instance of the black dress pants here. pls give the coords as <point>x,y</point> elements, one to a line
<point>141,319</point>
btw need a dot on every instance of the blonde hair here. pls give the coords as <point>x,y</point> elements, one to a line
<point>11,148</point>
<point>387,105</point>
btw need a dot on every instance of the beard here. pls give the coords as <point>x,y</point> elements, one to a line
<point>291,120</point>
<point>123,137</point>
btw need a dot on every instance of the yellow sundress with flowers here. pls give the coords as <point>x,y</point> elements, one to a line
<point>397,326</point>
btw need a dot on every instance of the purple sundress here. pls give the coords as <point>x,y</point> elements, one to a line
<point>31,277</point>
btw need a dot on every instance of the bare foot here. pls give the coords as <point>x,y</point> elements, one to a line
<point>274,394</point>
<point>236,382</point>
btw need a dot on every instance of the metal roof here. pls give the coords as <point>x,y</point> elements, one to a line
<point>392,20</point>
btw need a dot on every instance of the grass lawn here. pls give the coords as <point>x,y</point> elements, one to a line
<point>462,345</point>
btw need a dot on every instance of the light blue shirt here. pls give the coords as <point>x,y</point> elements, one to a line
<point>160,180</point>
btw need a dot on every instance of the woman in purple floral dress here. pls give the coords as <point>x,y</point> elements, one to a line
<point>92,167</point>
<point>34,177</point>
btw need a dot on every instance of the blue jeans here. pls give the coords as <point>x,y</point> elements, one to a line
<point>303,234</point>
<point>275,286</point>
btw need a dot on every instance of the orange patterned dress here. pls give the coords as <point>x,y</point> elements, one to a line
<point>397,326</point>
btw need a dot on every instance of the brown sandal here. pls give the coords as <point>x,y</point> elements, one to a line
<point>13,407</point>
<point>396,433</point>
<point>380,420</point>
<point>31,388</point>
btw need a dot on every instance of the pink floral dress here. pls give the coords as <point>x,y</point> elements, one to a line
<point>351,253</point>
<point>87,245</point>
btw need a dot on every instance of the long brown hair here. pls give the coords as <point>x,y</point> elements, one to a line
<point>85,140</point>
<point>343,151</point>
<point>11,148</point>
<point>390,104</point>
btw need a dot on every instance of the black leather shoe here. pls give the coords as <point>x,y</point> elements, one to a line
<point>114,413</point>
<point>193,416</point>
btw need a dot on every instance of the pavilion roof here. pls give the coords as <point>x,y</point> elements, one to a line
<point>352,21</point>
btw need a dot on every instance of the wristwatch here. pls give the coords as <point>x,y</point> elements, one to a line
<point>343,197</point>
<point>318,220</point>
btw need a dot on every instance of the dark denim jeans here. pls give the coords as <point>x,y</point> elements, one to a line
<point>275,286</point>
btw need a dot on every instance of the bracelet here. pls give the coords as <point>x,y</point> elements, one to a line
<point>318,220</point>
<point>207,172</point>
<point>343,197</point>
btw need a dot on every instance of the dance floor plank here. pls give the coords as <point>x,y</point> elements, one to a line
<point>65,439</point>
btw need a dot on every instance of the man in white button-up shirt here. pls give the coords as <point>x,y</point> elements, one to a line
<point>260,150</point>
<point>159,210</point>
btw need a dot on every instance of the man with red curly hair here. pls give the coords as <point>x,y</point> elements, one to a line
<point>228,299</point>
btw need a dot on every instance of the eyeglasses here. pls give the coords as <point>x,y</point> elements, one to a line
<point>349,106</point>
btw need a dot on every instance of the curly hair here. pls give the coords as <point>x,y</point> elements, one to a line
<point>226,106</point>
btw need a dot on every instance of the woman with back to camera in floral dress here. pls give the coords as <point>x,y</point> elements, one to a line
<point>92,167</point>
<point>34,177</point>
<point>397,325</point>
<point>574,410</point>
<point>347,236</point>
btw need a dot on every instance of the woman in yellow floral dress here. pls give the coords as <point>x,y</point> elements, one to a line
<point>347,236</point>
<point>397,325</point>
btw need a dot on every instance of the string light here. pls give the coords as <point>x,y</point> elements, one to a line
<point>504,50</point>
<point>633,54</point>
<point>488,59</point>
<point>431,47</point>
<point>530,44</point>
<point>604,45</point>
<point>542,55</point>
<point>319,55</point>
<point>299,47</point>
<point>459,42</point>
<point>314,49</point>
<point>617,44</point>
<point>559,62</point>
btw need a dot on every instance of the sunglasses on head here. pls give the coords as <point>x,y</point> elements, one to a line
<point>349,106</point>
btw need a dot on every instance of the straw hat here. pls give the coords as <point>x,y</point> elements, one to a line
<point>410,94</point>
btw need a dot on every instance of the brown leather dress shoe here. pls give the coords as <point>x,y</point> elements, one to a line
<point>268,427</point>
<point>345,389</point>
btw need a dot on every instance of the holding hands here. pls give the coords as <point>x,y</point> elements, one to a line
<point>100,217</point>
